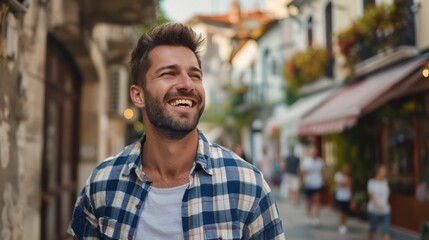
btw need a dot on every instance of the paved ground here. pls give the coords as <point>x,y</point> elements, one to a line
<point>297,228</point>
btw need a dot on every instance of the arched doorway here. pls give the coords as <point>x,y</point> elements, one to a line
<point>60,148</point>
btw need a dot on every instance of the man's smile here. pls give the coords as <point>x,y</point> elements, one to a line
<point>185,103</point>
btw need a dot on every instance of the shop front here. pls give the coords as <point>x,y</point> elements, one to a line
<point>406,154</point>
<point>383,118</point>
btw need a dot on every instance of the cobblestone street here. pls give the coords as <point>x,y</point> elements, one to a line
<point>297,228</point>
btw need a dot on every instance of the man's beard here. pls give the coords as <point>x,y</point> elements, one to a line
<point>170,126</point>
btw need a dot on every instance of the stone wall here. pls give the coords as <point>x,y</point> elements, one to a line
<point>10,188</point>
<point>24,31</point>
<point>22,58</point>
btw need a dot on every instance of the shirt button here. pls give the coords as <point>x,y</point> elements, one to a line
<point>138,206</point>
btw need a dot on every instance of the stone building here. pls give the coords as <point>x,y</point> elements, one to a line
<point>63,88</point>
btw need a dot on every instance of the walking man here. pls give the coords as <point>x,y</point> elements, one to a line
<point>290,181</point>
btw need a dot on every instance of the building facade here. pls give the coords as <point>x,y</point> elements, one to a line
<point>377,110</point>
<point>63,76</point>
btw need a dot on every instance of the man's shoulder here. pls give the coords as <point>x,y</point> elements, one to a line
<point>227,157</point>
<point>114,165</point>
<point>223,159</point>
<point>216,159</point>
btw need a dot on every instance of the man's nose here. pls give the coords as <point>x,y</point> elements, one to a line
<point>185,82</point>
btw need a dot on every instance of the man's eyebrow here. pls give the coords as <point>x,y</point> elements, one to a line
<point>196,69</point>
<point>173,66</point>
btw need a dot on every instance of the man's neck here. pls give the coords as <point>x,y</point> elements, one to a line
<point>168,162</point>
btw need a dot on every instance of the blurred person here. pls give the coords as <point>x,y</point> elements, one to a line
<point>343,194</point>
<point>422,192</point>
<point>172,183</point>
<point>290,182</point>
<point>378,205</point>
<point>311,169</point>
<point>276,176</point>
<point>265,164</point>
<point>238,149</point>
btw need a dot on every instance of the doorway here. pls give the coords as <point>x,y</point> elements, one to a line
<point>60,148</point>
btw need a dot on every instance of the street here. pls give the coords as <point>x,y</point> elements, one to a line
<point>296,227</point>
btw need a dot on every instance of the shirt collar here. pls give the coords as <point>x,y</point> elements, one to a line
<point>133,154</point>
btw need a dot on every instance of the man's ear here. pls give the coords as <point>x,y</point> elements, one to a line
<point>137,96</point>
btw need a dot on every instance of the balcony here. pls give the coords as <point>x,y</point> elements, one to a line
<point>388,49</point>
<point>124,12</point>
<point>385,34</point>
<point>116,41</point>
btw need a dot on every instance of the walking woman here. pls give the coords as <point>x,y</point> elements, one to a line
<point>378,206</point>
<point>343,189</point>
<point>311,170</point>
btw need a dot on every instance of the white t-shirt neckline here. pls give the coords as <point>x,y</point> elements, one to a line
<point>161,216</point>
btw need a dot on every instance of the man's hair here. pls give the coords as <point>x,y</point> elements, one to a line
<point>170,34</point>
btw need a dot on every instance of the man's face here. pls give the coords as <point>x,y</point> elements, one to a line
<point>173,92</point>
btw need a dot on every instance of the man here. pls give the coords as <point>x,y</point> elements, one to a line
<point>173,183</point>
<point>290,182</point>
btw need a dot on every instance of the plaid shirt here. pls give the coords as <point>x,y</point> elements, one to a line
<point>227,198</point>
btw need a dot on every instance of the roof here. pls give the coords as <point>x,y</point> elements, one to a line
<point>228,19</point>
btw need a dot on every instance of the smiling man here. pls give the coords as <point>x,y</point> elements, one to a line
<point>173,183</point>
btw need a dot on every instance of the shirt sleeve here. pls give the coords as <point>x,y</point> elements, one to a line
<point>84,224</point>
<point>266,222</point>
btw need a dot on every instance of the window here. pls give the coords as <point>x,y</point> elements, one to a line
<point>407,123</point>
<point>118,91</point>
<point>265,83</point>
<point>329,48</point>
<point>274,67</point>
<point>368,3</point>
<point>310,32</point>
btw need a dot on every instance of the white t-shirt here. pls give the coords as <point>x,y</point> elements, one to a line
<point>313,167</point>
<point>161,217</point>
<point>342,193</point>
<point>380,191</point>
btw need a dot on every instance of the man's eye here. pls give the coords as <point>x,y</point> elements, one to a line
<point>197,76</point>
<point>168,74</point>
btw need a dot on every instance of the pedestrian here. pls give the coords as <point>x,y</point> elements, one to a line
<point>172,183</point>
<point>238,149</point>
<point>343,194</point>
<point>265,164</point>
<point>311,170</point>
<point>290,182</point>
<point>378,205</point>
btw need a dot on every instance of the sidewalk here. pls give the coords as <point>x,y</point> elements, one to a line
<point>296,227</point>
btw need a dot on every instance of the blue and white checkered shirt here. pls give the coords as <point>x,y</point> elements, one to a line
<point>227,198</point>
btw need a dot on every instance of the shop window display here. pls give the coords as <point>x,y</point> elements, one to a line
<point>408,144</point>
<point>401,156</point>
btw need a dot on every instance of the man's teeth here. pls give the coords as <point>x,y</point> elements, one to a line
<point>182,102</point>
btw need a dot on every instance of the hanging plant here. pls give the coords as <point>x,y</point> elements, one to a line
<point>305,67</point>
<point>377,29</point>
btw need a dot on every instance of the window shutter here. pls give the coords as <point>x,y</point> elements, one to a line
<point>118,91</point>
